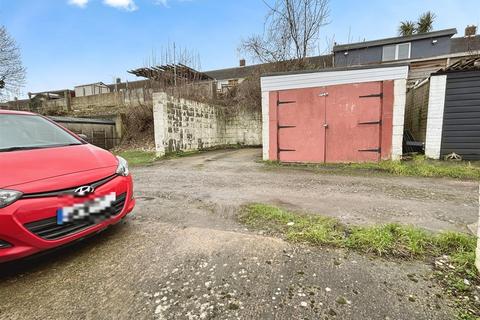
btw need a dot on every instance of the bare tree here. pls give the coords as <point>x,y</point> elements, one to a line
<point>291,31</point>
<point>12,72</point>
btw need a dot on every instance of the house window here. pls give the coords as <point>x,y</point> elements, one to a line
<point>389,53</point>
<point>396,52</point>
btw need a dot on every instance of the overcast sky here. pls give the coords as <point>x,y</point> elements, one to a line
<point>70,42</point>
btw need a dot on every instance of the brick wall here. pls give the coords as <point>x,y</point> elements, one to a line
<point>416,110</point>
<point>185,125</point>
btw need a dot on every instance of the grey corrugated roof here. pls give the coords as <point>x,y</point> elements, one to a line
<point>82,120</point>
<point>243,72</point>
<point>381,42</point>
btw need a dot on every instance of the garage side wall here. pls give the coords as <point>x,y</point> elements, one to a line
<point>265,125</point>
<point>185,125</point>
<point>436,105</point>
<point>399,99</point>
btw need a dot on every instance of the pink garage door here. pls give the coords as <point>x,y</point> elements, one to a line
<point>341,123</point>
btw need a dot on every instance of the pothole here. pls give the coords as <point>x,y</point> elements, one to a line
<point>145,198</point>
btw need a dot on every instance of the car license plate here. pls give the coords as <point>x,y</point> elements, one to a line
<point>85,210</point>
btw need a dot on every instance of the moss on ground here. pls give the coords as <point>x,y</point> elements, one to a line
<point>138,157</point>
<point>455,267</point>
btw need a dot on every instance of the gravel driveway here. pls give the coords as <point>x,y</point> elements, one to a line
<point>182,255</point>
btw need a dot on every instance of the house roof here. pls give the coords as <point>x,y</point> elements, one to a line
<point>136,84</point>
<point>243,72</point>
<point>394,40</point>
<point>465,44</point>
<point>232,73</point>
<point>57,92</point>
<point>91,84</point>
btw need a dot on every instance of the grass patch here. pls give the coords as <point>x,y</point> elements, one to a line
<point>390,239</point>
<point>314,229</point>
<point>418,166</point>
<point>138,157</point>
<point>453,252</point>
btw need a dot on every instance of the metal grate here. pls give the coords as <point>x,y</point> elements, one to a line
<point>48,229</point>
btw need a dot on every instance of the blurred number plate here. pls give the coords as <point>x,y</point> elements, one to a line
<point>84,210</point>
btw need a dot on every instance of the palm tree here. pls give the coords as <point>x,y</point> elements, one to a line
<point>406,28</point>
<point>425,22</point>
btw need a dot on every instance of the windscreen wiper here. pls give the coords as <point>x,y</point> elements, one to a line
<point>19,148</point>
<point>38,147</point>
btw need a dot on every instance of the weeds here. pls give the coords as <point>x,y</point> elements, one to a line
<point>453,252</point>
<point>418,166</point>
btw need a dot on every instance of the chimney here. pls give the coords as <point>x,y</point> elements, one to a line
<point>470,31</point>
<point>243,63</point>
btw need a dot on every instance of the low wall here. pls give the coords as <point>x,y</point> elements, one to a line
<point>185,125</point>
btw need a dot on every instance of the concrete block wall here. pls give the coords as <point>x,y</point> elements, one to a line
<point>436,105</point>
<point>110,99</point>
<point>399,91</point>
<point>185,125</point>
<point>265,125</point>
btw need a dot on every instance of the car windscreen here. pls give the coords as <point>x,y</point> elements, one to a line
<point>23,132</point>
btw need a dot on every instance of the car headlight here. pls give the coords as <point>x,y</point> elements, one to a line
<point>8,197</point>
<point>122,168</point>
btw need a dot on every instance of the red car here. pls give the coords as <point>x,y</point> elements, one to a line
<point>55,187</point>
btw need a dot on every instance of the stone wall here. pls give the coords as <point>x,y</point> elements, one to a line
<point>185,125</point>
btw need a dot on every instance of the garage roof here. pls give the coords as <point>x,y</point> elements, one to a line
<point>334,76</point>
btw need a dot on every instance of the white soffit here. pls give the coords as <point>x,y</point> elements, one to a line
<point>328,78</point>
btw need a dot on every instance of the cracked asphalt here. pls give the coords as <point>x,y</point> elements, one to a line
<point>183,255</point>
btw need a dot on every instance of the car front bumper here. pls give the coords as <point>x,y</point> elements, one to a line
<point>17,219</point>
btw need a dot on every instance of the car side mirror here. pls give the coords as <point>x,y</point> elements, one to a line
<point>83,136</point>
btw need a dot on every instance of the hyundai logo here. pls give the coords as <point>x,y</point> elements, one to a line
<point>83,191</point>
